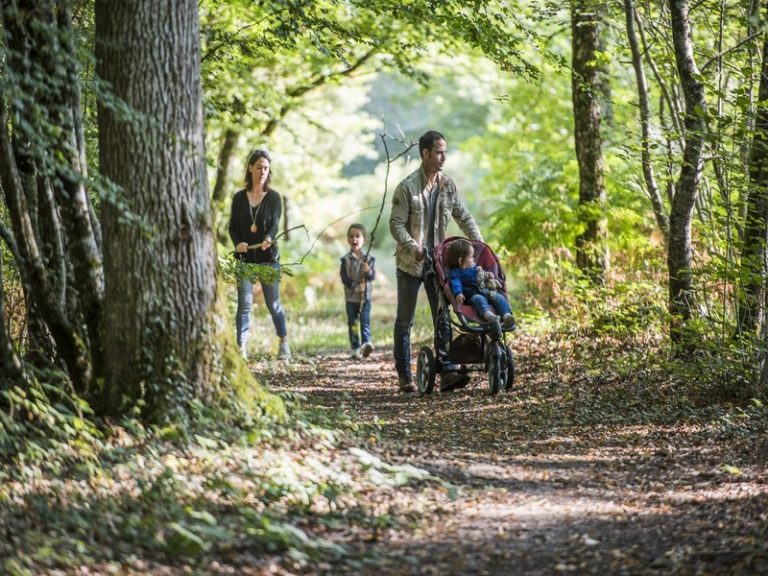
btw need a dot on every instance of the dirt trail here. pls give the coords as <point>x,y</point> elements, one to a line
<point>537,493</point>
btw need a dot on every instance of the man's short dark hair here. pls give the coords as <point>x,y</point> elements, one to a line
<point>428,140</point>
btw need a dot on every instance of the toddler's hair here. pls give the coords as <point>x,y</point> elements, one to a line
<point>358,226</point>
<point>456,250</point>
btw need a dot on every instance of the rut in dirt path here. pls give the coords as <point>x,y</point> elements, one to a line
<point>540,489</point>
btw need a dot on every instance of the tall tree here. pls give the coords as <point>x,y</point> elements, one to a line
<point>680,252</point>
<point>161,338</point>
<point>591,245</point>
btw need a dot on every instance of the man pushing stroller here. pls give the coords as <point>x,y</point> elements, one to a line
<point>422,206</point>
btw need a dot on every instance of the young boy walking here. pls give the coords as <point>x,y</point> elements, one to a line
<point>357,275</point>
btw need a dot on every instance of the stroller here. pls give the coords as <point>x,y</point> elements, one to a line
<point>478,346</point>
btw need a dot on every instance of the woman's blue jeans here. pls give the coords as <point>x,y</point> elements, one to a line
<point>245,304</point>
<point>363,311</point>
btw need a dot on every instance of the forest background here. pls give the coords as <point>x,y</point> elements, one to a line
<point>614,155</point>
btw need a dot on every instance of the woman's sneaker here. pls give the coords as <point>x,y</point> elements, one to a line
<point>366,349</point>
<point>508,322</point>
<point>355,354</point>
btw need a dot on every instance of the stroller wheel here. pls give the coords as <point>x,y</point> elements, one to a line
<point>496,364</point>
<point>510,380</point>
<point>426,370</point>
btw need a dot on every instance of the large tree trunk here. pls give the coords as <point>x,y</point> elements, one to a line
<point>754,257</point>
<point>679,256</point>
<point>159,260</point>
<point>591,245</point>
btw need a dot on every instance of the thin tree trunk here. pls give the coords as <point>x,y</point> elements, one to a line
<point>160,326</point>
<point>680,253</point>
<point>591,245</point>
<point>222,178</point>
<point>659,211</point>
<point>11,369</point>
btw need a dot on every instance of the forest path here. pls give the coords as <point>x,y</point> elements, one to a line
<point>532,481</point>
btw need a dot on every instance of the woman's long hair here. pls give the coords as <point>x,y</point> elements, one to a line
<point>255,155</point>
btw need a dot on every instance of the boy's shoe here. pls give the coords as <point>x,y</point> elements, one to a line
<point>490,317</point>
<point>355,353</point>
<point>450,382</point>
<point>508,322</point>
<point>244,353</point>
<point>284,351</point>
<point>405,385</point>
<point>366,349</point>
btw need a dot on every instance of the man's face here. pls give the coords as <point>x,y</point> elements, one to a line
<point>434,158</point>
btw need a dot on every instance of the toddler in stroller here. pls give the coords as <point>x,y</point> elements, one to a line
<point>480,343</point>
<point>470,282</point>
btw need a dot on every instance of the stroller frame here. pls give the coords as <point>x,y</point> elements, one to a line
<point>478,346</point>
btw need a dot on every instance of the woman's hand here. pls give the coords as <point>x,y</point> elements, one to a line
<point>242,247</point>
<point>365,268</point>
<point>266,243</point>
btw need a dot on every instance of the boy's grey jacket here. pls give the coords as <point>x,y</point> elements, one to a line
<point>408,222</point>
<point>352,275</point>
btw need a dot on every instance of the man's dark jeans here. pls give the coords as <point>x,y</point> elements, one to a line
<point>407,294</point>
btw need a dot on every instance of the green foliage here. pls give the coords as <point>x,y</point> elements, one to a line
<point>233,269</point>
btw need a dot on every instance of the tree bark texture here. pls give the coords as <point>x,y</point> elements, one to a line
<point>159,256</point>
<point>591,245</point>
<point>680,251</point>
<point>754,256</point>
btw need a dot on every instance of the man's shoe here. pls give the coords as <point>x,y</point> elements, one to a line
<point>450,382</point>
<point>405,385</point>
<point>366,349</point>
<point>508,322</point>
<point>355,353</point>
<point>284,352</point>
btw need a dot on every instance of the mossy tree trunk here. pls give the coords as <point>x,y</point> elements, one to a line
<point>161,339</point>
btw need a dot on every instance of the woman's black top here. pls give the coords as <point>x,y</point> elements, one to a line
<point>266,219</point>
